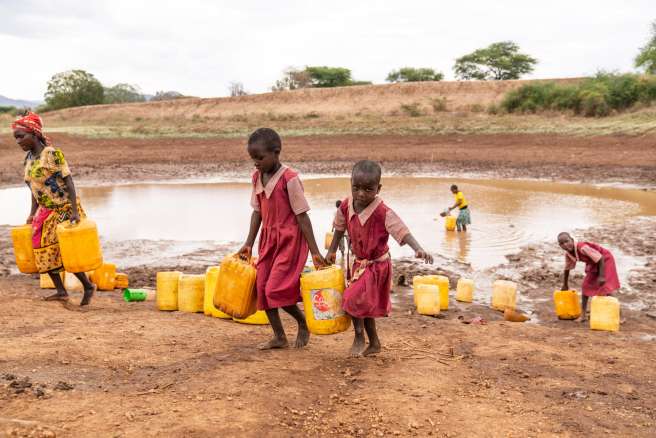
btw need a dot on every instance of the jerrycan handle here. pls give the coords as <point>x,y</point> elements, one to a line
<point>72,224</point>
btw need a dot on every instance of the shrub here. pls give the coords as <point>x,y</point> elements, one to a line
<point>412,109</point>
<point>594,97</point>
<point>7,109</point>
<point>593,104</point>
<point>439,104</point>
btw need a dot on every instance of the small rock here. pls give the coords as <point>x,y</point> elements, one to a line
<point>63,386</point>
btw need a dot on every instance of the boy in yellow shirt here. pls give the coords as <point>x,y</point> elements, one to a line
<point>464,217</point>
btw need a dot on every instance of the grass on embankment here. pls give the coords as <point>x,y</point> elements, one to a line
<point>423,121</point>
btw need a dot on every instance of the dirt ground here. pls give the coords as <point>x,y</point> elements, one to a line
<point>126,369</point>
<point>607,159</point>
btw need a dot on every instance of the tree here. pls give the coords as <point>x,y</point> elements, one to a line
<point>498,61</point>
<point>411,74</point>
<point>73,88</point>
<point>123,93</point>
<point>323,76</point>
<point>292,79</point>
<point>236,89</point>
<point>646,59</point>
<point>167,95</point>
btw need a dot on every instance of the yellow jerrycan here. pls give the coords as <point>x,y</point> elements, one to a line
<point>167,290</point>
<point>72,284</point>
<point>21,237</point>
<point>45,282</point>
<point>450,223</point>
<point>235,289</point>
<point>504,295</point>
<point>465,290</point>
<point>105,277</point>
<point>427,299</point>
<point>442,284</point>
<point>328,240</point>
<point>605,313</point>
<point>567,304</point>
<point>322,293</point>
<point>211,277</point>
<point>79,246</point>
<point>191,291</point>
<point>257,318</point>
<point>121,281</point>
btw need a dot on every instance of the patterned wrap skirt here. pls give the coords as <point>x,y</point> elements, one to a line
<point>464,218</point>
<point>44,236</point>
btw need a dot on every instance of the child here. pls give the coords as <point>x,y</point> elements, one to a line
<point>53,201</point>
<point>600,272</point>
<point>464,218</point>
<point>280,206</point>
<point>369,223</point>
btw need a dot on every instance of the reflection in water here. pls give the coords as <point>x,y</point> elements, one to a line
<point>505,214</point>
<point>458,244</point>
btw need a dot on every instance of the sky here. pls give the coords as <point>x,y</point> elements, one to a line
<point>198,47</point>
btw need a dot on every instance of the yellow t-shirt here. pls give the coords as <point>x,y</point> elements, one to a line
<point>460,197</point>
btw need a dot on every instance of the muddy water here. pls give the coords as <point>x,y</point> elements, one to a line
<point>505,214</point>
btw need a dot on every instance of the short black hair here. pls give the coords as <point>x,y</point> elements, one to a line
<point>369,168</point>
<point>564,235</point>
<point>338,203</point>
<point>454,187</point>
<point>268,137</point>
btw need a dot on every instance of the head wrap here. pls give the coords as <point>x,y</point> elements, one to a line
<point>32,123</point>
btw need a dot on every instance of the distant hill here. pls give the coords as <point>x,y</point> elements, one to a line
<point>306,102</point>
<point>18,103</point>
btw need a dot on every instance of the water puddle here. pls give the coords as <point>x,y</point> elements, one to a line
<point>506,214</point>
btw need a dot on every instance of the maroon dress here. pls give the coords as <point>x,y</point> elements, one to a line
<point>590,254</point>
<point>283,251</point>
<point>368,293</point>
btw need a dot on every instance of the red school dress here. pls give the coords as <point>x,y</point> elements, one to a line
<point>590,254</point>
<point>368,293</point>
<point>283,250</point>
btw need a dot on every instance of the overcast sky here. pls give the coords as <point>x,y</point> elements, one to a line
<point>197,47</point>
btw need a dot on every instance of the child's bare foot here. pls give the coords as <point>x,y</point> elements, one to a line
<point>88,293</point>
<point>275,343</point>
<point>373,348</point>
<point>57,297</point>
<point>358,346</point>
<point>303,337</point>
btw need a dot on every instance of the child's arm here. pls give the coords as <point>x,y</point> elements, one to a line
<point>420,253</point>
<point>601,279</point>
<point>565,280</point>
<point>457,204</point>
<point>246,251</point>
<point>306,228</point>
<point>331,255</point>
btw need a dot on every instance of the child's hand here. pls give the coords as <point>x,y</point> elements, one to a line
<point>75,218</point>
<point>319,261</point>
<point>331,257</point>
<point>245,253</point>
<point>421,254</point>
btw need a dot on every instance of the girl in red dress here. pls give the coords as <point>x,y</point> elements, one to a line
<point>600,272</point>
<point>279,205</point>
<point>369,223</point>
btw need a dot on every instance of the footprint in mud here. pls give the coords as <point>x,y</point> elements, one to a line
<point>68,305</point>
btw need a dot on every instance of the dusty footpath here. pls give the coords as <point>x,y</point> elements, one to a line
<point>126,369</point>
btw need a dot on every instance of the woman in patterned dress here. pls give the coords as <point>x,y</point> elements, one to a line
<point>53,201</point>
